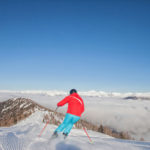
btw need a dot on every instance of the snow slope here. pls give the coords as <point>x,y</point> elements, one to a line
<point>24,136</point>
<point>130,116</point>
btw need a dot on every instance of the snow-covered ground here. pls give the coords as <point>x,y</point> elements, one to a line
<point>24,136</point>
<point>109,109</point>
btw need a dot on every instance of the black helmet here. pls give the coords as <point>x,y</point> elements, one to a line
<point>73,91</point>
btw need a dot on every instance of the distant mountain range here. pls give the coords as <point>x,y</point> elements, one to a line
<point>136,98</point>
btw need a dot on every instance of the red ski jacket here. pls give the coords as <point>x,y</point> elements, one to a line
<point>75,104</point>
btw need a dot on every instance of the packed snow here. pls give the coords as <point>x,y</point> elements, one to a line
<point>130,116</point>
<point>24,136</point>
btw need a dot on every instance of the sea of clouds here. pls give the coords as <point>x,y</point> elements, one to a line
<point>82,93</point>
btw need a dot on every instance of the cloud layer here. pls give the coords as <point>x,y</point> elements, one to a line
<point>83,93</point>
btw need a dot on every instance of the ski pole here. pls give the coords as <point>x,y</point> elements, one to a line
<point>87,134</point>
<point>56,109</point>
<point>44,128</point>
<point>47,124</point>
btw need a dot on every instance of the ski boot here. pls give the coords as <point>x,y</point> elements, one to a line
<point>55,135</point>
<point>65,135</point>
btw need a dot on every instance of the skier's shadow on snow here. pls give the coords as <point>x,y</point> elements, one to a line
<point>63,146</point>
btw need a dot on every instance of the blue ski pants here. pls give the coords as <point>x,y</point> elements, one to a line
<point>68,123</point>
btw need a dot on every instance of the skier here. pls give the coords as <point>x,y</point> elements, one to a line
<point>75,109</point>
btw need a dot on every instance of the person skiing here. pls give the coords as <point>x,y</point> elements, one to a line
<point>73,115</point>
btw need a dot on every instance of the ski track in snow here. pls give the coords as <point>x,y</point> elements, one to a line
<point>12,142</point>
<point>24,136</point>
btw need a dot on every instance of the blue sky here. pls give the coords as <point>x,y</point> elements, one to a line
<point>100,45</point>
